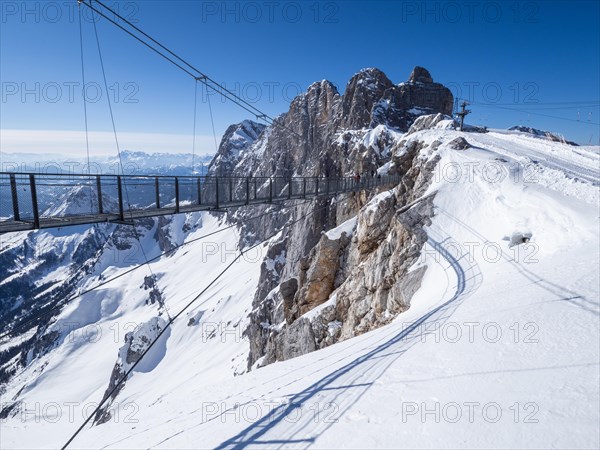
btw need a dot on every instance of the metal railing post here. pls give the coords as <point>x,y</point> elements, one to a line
<point>327,187</point>
<point>217,192</point>
<point>316,186</point>
<point>157,192</point>
<point>15,197</point>
<point>270,190</point>
<point>177,195</point>
<point>230,190</point>
<point>34,201</point>
<point>199,192</point>
<point>247,191</point>
<point>304,187</point>
<point>120,195</point>
<point>99,188</point>
<point>290,189</point>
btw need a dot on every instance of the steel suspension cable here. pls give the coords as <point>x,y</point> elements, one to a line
<point>190,70</point>
<point>212,121</point>
<point>112,118</point>
<point>59,305</point>
<point>194,132</point>
<point>85,112</point>
<point>190,66</point>
<point>170,322</point>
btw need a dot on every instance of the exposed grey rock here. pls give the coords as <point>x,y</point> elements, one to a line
<point>155,295</point>
<point>543,134</point>
<point>403,103</point>
<point>136,343</point>
<point>324,134</point>
<point>420,75</point>
<point>372,271</point>
<point>162,234</point>
<point>460,143</point>
<point>288,290</point>
<point>297,339</point>
<point>362,92</point>
<point>426,122</point>
<point>316,278</point>
<point>237,138</point>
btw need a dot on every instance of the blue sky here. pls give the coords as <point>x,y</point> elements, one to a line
<point>520,62</point>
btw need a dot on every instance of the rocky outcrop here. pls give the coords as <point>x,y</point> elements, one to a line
<point>460,143</point>
<point>312,138</point>
<point>403,103</point>
<point>362,92</point>
<point>429,121</point>
<point>136,344</point>
<point>317,277</point>
<point>328,134</point>
<point>542,134</point>
<point>357,277</point>
<point>237,138</point>
<point>420,75</point>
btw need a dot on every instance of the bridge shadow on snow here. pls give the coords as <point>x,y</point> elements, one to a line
<point>287,425</point>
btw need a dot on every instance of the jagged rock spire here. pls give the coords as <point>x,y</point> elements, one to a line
<point>420,75</point>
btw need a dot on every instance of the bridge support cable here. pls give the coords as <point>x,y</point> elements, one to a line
<point>119,383</point>
<point>170,55</point>
<point>121,183</point>
<point>194,128</point>
<point>31,320</point>
<point>212,120</point>
<point>148,41</point>
<point>85,116</point>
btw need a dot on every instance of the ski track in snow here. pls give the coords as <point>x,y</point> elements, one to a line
<point>507,145</point>
<point>345,386</point>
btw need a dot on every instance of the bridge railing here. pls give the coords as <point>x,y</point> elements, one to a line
<point>31,201</point>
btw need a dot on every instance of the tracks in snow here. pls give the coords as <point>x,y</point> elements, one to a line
<point>344,387</point>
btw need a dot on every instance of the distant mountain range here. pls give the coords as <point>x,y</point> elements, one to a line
<point>134,162</point>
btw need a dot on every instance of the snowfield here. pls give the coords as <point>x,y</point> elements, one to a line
<point>500,348</point>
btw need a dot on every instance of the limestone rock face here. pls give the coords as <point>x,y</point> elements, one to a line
<point>373,222</point>
<point>318,278</point>
<point>362,92</point>
<point>136,344</point>
<point>351,282</point>
<point>420,75</point>
<point>237,138</point>
<point>420,95</point>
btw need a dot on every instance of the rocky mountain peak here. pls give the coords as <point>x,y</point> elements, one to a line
<point>403,103</point>
<point>362,92</point>
<point>420,75</point>
<point>321,86</point>
<point>305,140</point>
<point>237,138</point>
<point>372,77</point>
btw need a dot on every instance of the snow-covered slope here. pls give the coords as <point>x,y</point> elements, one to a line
<point>499,348</point>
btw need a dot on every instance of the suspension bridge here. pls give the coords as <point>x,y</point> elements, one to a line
<point>31,201</point>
